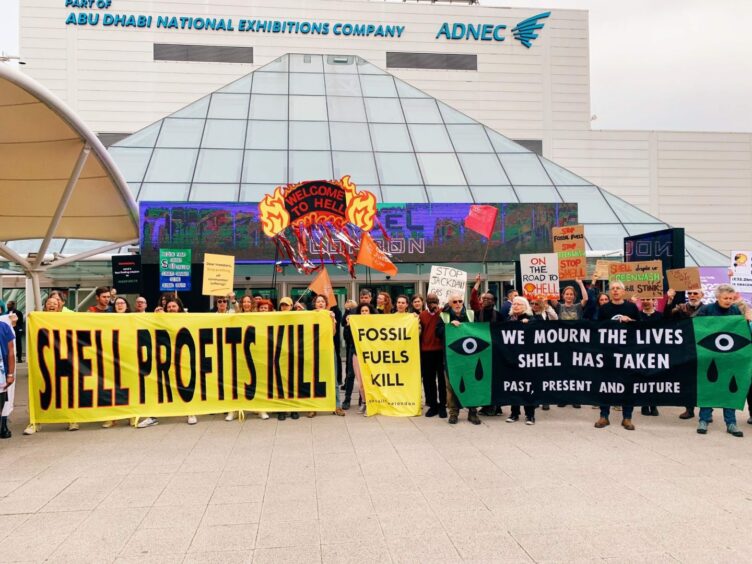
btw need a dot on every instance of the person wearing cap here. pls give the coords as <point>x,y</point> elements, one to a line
<point>285,304</point>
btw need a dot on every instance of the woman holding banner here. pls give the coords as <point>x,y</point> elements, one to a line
<point>321,303</point>
<point>119,305</point>
<point>363,309</point>
<point>383,302</point>
<point>522,312</point>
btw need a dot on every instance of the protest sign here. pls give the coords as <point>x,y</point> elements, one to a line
<point>641,279</point>
<point>741,271</point>
<point>446,280</point>
<point>219,274</point>
<point>681,279</point>
<point>388,351</point>
<point>174,270</point>
<point>99,367</point>
<point>540,276</point>
<point>601,269</point>
<point>126,274</point>
<point>704,361</point>
<point>569,244</point>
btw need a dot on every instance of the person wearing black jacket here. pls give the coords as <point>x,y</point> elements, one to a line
<point>522,312</point>
<point>623,311</point>
<point>648,314</point>
<point>19,329</point>
<point>364,298</point>
<point>484,307</point>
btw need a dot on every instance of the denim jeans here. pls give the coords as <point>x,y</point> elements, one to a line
<point>729,415</point>
<point>626,411</point>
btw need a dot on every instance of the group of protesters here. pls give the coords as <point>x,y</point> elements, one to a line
<point>439,398</point>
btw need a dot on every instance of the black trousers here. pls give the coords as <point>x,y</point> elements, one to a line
<point>338,361</point>
<point>432,374</point>
<point>19,347</point>
<point>529,410</point>
<point>349,372</point>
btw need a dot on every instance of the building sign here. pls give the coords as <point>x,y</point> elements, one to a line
<point>102,13</point>
<point>174,270</point>
<point>126,274</point>
<point>418,233</point>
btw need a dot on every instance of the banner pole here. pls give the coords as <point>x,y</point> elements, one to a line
<point>485,254</point>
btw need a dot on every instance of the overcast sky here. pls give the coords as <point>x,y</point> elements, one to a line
<point>655,64</point>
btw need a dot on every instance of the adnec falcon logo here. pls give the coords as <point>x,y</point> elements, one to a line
<point>524,32</point>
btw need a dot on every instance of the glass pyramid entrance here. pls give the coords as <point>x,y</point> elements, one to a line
<point>307,117</point>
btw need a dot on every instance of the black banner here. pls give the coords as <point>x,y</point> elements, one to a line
<point>126,274</point>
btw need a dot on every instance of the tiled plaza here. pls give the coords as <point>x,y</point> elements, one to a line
<point>356,489</point>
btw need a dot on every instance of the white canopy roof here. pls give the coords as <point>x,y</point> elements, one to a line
<point>56,178</point>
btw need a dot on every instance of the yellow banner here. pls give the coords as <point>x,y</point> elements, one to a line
<point>388,350</point>
<point>99,366</point>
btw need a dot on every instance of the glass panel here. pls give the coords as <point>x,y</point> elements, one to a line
<point>360,166</point>
<point>131,162</point>
<point>171,165</point>
<point>627,212</point>
<point>689,261</point>
<point>375,189</point>
<point>340,64</point>
<point>306,63</point>
<point>449,194</point>
<point>218,165</point>
<point>364,67</point>
<point>268,107</point>
<point>398,168</point>
<point>342,85</point>
<point>307,84</point>
<point>164,191</point>
<point>311,108</point>
<point>74,246</point>
<point>378,86</point>
<point>265,166</point>
<point>524,169</point>
<point>310,165</point>
<point>23,246</point>
<point>255,192</point>
<point>704,255</point>
<point>482,169</point>
<point>591,207</point>
<point>441,169</point>
<point>240,86</point>
<point>494,194</point>
<point>390,137</point>
<point>214,193</point>
<point>403,194</point>
<point>269,83</point>
<point>503,145</point>
<point>267,135</point>
<point>469,139</point>
<point>309,135</point>
<point>196,109</point>
<point>346,109</point>
<point>229,106</point>
<point>640,228</point>
<point>562,176</point>
<point>419,110</point>
<point>451,115</point>
<point>224,134</point>
<point>350,136</point>
<point>406,91</point>
<point>144,138</point>
<point>134,187</point>
<point>430,138</point>
<point>277,65</point>
<point>605,237</point>
<point>384,110</point>
<point>181,133</point>
<point>535,194</point>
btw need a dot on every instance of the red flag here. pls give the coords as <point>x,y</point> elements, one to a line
<point>322,286</point>
<point>481,219</point>
<point>371,255</point>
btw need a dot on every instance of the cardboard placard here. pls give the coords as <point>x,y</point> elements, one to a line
<point>446,280</point>
<point>681,279</point>
<point>601,268</point>
<point>540,276</point>
<point>219,274</point>
<point>641,279</point>
<point>569,244</point>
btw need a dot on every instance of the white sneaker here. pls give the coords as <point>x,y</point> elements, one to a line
<point>30,429</point>
<point>73,426</point>
<point>230,416</point>
<point>108,424</point>
<point>148,422</point>
<point>192,420</point>
<point>263,415</point>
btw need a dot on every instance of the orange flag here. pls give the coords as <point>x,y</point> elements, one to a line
<point>371,255</point>
<point>322,286</point>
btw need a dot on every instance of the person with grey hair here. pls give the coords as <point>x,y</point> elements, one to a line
<point>523,313</point>
<point>455,314</point>
<point>624,311</point>
<point>725,295</point>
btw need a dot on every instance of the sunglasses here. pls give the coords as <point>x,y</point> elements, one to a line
<point>221,301</point>
<point>693,293</point>
<point>458,301</point>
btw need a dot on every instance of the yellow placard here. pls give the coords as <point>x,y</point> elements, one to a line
<point>101,366</point>
<point>219,274</point>
<point>388,351</point>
